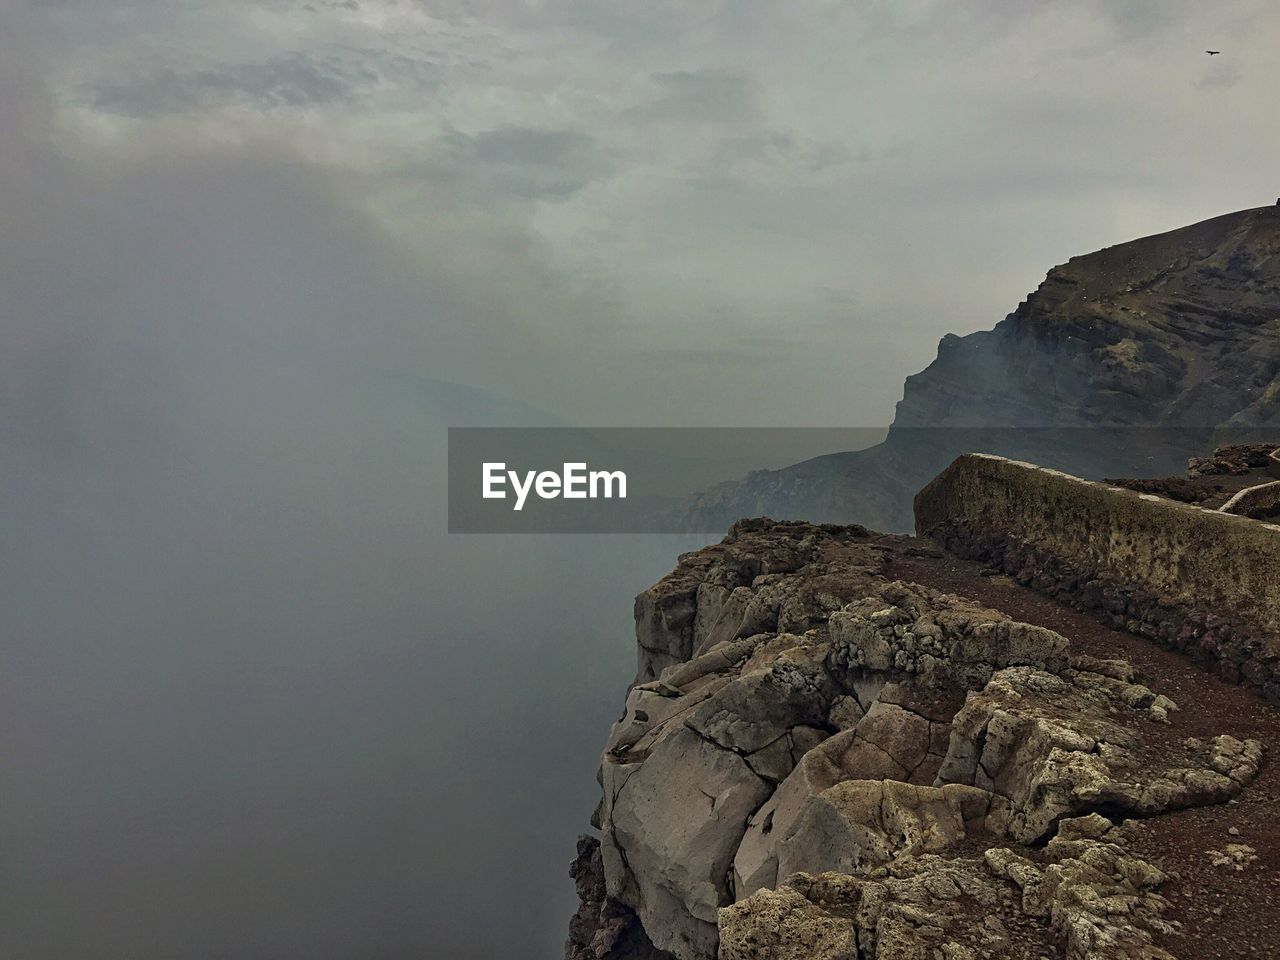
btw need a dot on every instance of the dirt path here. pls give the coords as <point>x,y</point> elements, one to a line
<point>1223,912</point>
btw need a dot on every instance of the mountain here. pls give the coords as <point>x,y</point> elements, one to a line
<point>1034,729</point>
<point>1126,361</point>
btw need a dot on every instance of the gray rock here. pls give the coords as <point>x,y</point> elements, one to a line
<point>756,708</point>
<point>858,824</point>
<point>674,825</point>
<point>821,751</point>
<point>1055,746</point>
<point>1099,901</point>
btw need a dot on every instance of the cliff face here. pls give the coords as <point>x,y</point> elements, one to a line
<point>843,745</point>
<point>1179,329</point>
<point>831,753</point>
<point>1179,332</point>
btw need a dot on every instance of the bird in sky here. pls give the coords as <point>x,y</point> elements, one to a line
<point>1213,53</point>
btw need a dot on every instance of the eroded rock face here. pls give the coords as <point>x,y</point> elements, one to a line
<point>859,824</point>
<point>1055,745</point>
<point>674,825</point>
<point>1083,895</point>
<point>602,927</point>
<point>705,740</point>
<point>817,759</point>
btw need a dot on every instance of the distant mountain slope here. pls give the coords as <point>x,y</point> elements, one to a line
<point>1123,362</point>
<point>1182,328</point>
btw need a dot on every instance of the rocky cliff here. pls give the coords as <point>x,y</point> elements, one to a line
<point>843,745</point>
<point>1178,332</point>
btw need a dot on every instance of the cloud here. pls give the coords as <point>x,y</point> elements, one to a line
<point>243,242</point>
<point>696,173</point>
<point>705,96</point>
<point>520,162</point>
<point>1140,19</point>
<point>774,154</point>
<point>293,81</point>
<point>1220,76</point>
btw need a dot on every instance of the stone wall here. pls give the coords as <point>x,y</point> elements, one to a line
<point>1200,581</point>
<point>1261,502</point>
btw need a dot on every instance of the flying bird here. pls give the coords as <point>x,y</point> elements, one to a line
<point>1213,53</point>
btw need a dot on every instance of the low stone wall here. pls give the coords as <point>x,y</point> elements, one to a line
<point>1260,502</point>
<point>1201,581</point>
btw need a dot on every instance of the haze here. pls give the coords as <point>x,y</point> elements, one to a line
<point>256,257</point>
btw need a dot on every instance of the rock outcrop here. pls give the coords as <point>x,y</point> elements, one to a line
<point>1084,897</point>
<point>1179,331</point>
<point>817,760</point>
<point>602,927</point>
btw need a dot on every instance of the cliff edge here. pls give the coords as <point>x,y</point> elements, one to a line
<point>844,745</point>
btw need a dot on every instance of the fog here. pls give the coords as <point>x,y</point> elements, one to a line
<point>257,256</point>
<point>256,702</point>
<point>338,743</point>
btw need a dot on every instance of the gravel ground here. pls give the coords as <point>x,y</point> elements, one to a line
<point>1222,911</point>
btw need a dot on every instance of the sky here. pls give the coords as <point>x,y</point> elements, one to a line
<point>702,213</point>
<point>255,257</point>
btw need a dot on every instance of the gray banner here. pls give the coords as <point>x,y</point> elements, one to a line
<point>661,480</point>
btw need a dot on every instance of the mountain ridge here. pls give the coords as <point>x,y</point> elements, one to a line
<point>1172,340</point>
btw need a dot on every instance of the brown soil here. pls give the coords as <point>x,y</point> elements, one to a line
<point>1209,492</point>
<point>1222,912</point>
<point>1214,479</point>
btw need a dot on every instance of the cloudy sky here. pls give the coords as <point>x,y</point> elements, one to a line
<point>256,256</point>
<point>622,213</point>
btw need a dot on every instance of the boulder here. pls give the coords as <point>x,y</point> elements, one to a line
<point>1058,745</point>
<point>1085,898</point>
<point>673,827</point>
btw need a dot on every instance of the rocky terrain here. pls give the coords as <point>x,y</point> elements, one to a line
<point>1221,481</point>
<point>842,744</point>
<point>845,745</point>
<point>1123,362</point>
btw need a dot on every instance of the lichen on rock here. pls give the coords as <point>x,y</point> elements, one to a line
<point>1084,895</point>
<point>817,761</point>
